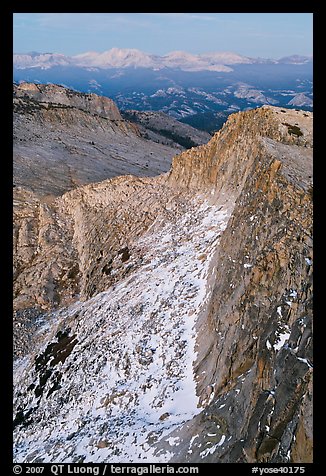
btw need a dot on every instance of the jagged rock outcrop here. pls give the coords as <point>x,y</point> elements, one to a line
<point>183,329</point>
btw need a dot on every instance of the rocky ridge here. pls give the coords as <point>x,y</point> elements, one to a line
<point>159,127</point>
<point>64,139</point>
<point>212,261</point>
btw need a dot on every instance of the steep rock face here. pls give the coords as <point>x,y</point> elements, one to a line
<point>257,327</point>
<point>54,94</point>
<point>215,259</point>
<point>84,234</point>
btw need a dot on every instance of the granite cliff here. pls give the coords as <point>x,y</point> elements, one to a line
<point>169,318</point>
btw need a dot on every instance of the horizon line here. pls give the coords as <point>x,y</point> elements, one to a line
<point>162,55</point>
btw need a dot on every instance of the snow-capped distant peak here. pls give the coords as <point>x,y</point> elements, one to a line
<point>134,58</point>
<point>116,58</point>
<point>40,60</point>
<point>226,57</point>
<point>180,55</point>
<point>191,62</point>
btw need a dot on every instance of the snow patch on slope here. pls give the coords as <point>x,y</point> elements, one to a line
<point>129,380</point>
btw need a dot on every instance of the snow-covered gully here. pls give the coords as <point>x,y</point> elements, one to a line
<point>126,380</point>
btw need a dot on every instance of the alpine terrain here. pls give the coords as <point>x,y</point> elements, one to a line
<point>160,317</point>
<point>201,90</point>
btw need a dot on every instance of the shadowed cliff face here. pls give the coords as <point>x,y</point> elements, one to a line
<point>254,371</point>
<point>226,240</point>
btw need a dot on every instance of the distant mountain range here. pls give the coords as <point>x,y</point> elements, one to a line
<point>201,90</point>
<point>126,58</point>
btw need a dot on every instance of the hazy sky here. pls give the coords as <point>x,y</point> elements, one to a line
<point>270,35</point>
